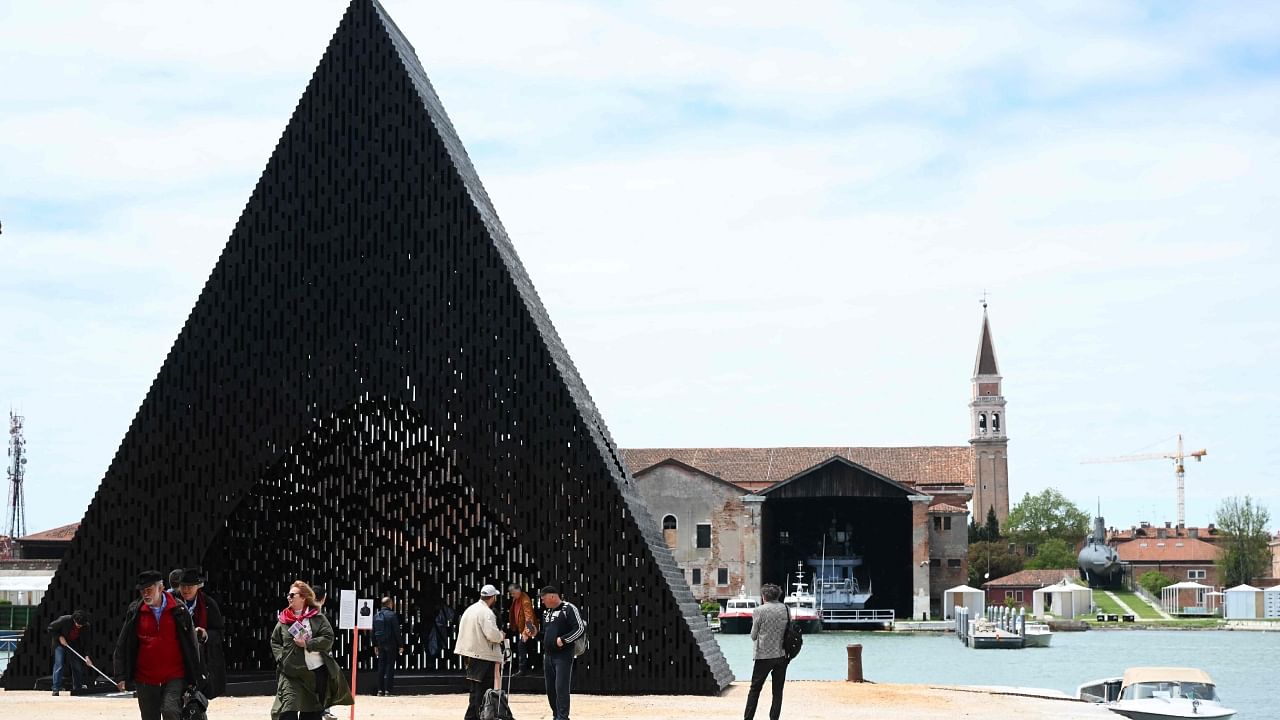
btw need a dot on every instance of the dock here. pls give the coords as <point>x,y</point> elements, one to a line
<point>857,619</point>
<point>999,628</point>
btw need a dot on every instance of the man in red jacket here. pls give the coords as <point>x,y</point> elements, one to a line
<point>157,650</point>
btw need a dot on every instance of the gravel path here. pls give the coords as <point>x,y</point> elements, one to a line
<point>804,700</point>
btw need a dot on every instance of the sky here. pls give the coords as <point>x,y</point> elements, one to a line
<point>753,223</point>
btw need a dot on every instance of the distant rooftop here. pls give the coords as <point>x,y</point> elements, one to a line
<point>58,534</point>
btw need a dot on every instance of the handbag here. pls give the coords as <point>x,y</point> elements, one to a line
<point>792,639</point>
<point>194,705</point>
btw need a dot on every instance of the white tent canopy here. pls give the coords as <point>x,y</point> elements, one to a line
<point>1065,600</point>
<point>964,596</point>
<point>1243,602</point>
<point>1188,598</point>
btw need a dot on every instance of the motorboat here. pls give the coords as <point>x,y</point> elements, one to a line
<point>836,584</point>
<point>736,618</point>
<point>1036,635</point>
<point>803,605</point>
<point>987,635</point>
<point>1158,693</point>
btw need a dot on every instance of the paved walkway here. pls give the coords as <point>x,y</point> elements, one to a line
<point>803,701</point>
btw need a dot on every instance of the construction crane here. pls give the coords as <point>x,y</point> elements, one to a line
<point>1180,470</point>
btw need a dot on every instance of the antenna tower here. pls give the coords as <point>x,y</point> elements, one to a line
<point>17,526</point>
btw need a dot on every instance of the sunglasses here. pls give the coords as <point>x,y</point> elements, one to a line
<point>291,596</point>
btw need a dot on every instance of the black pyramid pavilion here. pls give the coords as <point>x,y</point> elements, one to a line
<point>369,394</point>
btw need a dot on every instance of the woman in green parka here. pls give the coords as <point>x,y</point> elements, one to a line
<point>307,678</point>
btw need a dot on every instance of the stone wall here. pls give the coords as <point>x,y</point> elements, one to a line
<point>694,498</point>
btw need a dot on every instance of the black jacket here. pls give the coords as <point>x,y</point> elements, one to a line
<point>565,622</point>
<point>125,659</point>
<point>62,627</point>
<point>215,663</point>
<point>386,628</point>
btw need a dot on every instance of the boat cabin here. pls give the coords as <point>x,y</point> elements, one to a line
<point>1167,684</point>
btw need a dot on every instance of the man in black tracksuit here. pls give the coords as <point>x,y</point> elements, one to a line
<point>562,624</point>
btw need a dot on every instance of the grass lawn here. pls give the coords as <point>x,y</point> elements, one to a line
<point>1140,606</point>
<point>1105,604</point>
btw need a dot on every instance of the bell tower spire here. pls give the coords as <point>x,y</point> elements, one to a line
<point>988,430</point>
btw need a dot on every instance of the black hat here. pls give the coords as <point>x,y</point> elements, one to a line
<point>549,590</point>
<point>147,578</point>
<point>191,576</point>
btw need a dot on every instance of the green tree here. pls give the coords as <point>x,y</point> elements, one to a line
<point>1046,515</point>
<point>992,529</point>
<point>1002,561</point>
<point>1245,554</point>
<point>1052,554</point>
<point>1153,581</point>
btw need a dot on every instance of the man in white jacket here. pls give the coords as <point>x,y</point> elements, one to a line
<point>480,641</point>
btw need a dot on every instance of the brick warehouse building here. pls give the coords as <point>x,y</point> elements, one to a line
<point>738,517</point>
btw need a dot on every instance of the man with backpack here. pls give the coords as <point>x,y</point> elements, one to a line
<point>563,634</point>
<point>480,642</point>
<point>768,629</point>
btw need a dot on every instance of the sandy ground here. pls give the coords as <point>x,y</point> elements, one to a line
<point>803,700</point>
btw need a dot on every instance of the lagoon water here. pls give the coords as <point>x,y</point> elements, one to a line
<point>1246,665</point>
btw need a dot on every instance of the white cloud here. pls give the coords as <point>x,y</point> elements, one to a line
<point>751,224</point>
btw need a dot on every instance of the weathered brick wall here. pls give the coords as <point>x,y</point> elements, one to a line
<point>694,498</point>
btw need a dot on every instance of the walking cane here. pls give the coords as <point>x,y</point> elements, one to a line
<point>95,669</point>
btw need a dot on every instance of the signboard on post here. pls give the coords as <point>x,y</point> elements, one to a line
<point>347,610</point>
<point>364,615</point>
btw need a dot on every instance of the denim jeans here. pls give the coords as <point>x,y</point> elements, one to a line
<point>557,670</point>
<point>62,658</point>
<point>522,661</point>
<point>387,657</point>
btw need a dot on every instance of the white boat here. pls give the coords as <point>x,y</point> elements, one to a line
<point>1036,635</point>
<point>1158,693</point>
<point>803,605</point>
<point>736,618</point>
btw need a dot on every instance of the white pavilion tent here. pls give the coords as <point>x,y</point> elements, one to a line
<point>1064,599</point>
<point>1271,602</point>
<point>1188,598</point>
<point>964,596</point>
<point>1242,602</point>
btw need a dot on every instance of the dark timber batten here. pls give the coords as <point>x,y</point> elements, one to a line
<point>369,393</point>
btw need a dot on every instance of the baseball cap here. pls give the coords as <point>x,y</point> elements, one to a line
<point>488,591</point>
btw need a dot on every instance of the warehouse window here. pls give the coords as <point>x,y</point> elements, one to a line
<point>697,577</point>
<point>722,577</point>
<point>670,530</point>
<point>953,563</point>
<point>704,535</point>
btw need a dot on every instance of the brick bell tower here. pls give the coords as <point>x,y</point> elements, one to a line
<point>989,432</point>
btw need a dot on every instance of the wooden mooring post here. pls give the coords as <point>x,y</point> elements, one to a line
<point>855,663</point>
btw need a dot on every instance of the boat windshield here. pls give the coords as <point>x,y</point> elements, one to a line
<point>1169,691</point>
<point>741,604</point>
